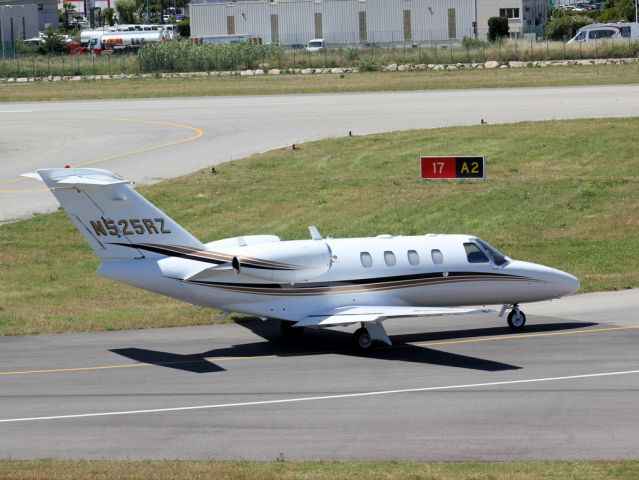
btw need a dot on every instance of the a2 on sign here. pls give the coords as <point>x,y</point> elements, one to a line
<point>453,167</point>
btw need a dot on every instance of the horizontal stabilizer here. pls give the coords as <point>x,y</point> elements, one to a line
<point>348,315</point>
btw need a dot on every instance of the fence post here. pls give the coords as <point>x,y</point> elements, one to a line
<point>532,53</point>
<point>33,65</point>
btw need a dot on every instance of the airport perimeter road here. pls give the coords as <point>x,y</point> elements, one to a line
<point>147,140</point>
<point>450,389</point>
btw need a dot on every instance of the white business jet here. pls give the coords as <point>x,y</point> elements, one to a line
<point>316,283</point>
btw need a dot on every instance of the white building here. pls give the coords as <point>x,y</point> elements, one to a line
<point>294,22</point>
<point>523,15</point>
<point>17,22</point>
<point>46,14</point>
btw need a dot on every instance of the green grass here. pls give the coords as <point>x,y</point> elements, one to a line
<point>169,470</point>
<point>561,193</point>
<point>329,83</point>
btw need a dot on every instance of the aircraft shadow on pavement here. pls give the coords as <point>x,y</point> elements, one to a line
<point>319,342</point>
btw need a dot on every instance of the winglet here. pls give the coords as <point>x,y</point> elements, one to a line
<point>33,175</point>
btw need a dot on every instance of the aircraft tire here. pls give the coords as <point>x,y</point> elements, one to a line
<point>516,319</point>
<point>289,331</point>
<point>362,339</point>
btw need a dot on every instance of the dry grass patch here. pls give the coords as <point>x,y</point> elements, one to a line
<point>169,470</point>
<point>288,84</point>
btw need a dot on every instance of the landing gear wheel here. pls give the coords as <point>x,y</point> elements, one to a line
<point>362,340</point>
<point>516,319</point>
<point>289,331</point>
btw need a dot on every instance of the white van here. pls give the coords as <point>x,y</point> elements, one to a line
<point>604,31</point>
<point>315,45</point>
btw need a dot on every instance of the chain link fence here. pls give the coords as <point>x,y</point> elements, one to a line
<point>364,56</point>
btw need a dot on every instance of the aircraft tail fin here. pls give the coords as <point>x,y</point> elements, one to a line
<point>116,221</point>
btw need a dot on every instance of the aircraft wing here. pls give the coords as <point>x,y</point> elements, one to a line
<point>348,315</point>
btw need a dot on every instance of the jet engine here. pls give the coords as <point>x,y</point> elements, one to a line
<point>289,261</point>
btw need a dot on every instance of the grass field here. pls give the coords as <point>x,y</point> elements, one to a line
<point>560,193</point>
<point>170,470</point>
<point>285,84</point>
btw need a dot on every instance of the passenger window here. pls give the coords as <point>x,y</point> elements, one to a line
<point>367,260</point>
<point>413,257</point>
<point>474,254</point>
<point>389,258</point>
<point>437,257</point>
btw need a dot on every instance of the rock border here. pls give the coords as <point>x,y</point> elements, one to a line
<point>393,67</point>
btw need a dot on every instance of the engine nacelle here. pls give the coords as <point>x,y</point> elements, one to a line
<point>288,261</point>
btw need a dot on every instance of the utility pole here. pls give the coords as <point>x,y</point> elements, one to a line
<point>148,11</point>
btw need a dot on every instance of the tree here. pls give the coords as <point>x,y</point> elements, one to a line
<point>565,26</point>
<point>497,28</point>
<point>618,11</point>
<point>53,42</point>
<point>109,13</point>
<point>126,11</point>
<point>68,10</point>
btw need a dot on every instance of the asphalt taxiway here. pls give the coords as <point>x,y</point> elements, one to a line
<point>450,388</point>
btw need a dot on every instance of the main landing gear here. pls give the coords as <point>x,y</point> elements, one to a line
<point>365,337</point>
<point>516,318</point>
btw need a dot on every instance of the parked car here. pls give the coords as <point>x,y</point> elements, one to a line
<point>315,45</point>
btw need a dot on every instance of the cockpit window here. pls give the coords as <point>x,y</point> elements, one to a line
<point>474,254</point>
<point>497,257</point>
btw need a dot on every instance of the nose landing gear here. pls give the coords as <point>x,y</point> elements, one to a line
<point>516,319</point>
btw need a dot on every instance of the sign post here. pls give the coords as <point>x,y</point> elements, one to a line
<point>453,167</point>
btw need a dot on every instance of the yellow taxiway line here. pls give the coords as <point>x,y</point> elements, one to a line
<point>262,357</point>
<point>198,133</point>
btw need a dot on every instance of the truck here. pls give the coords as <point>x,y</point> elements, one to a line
<point>114,42</point>
<point>606,31</point>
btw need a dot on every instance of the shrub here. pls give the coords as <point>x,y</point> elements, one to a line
<point>351,53</point>
<point>187,56</point>
<point>184,28</point>
<point>497,28</point>
<point>470,43</point>
<point>370,64</point>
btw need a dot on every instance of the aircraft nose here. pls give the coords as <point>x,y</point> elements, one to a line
<point>566,283</point>
<point>557,282</point>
